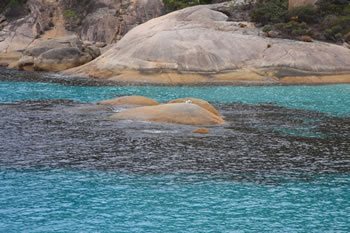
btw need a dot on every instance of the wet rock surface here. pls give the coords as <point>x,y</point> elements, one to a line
<point>129,100</point>
<point>178,113</point>
<point>202,103</point>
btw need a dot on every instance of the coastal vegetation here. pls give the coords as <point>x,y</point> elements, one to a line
<point>172,5</point>
<point>329,20</point>
<point>12,8</point>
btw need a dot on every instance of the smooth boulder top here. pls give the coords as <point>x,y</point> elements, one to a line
<point>202,103</point>
<point>57,54</point>
<point>59,59</point>
<point>198,44</point>
<point>178,113</point>
<point>130,100</point>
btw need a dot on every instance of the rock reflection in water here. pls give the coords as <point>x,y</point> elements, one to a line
<point>65,134</point>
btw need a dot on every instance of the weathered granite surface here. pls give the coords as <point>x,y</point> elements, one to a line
<point>178,113</point>
<point>57,54</point>
<point>199,45</point>
<point>96,21</point>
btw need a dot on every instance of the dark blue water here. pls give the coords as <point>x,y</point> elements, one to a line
<point>281,164</point>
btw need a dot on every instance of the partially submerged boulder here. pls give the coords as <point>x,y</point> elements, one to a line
<point>201,131</point>
<point>202,103</point>
<point>130,100</point>
<point>179,113</point>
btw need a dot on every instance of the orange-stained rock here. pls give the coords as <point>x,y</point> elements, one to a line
<point>201,131</point>
<point>130,100</point>
<point>202,103</point>
<point>178,113</point>
<point>306,38</point>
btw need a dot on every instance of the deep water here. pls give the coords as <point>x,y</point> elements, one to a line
<point>281,164</point>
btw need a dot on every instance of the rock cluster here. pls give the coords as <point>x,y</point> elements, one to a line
<point>198,45</point>
<point>180,111</point>
<point>57,54</point>
<point>109,20</point>
<point>103,21</point>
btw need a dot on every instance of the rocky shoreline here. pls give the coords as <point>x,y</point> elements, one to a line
<point>194,46</point>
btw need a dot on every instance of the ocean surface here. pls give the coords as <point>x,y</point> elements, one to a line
<point>281,164</point>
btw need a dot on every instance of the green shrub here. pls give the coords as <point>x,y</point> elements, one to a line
<point>293,28</point>
<point>69,13</point>
<point>270,11</point>
<point>336,26</point>
<point>347,9</point>
<point>306,13</point>
<point>14,8</point>
<point>327,7</point>
<point>267,28</point>
<point>172,5</point>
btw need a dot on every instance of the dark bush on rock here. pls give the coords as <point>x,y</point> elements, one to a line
<point>13,8</point>
<point>271,11</point>
<point>303,14</point>
<point>173,5</point>
<point>329,20</point>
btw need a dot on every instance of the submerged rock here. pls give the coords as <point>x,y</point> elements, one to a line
<point>198,45</point>
<point>202,103</point>
<point>179,113</point>
<point>201,131</point>
<point>130,100</point>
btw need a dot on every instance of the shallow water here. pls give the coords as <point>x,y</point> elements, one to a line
<point>331,99</point>
<point>281,164</point>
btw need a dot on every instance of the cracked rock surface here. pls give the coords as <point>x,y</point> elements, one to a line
<point>104,21</point>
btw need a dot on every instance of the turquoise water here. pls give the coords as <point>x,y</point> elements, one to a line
<point>92,201</point>
<point>69,171</point>
<point>331,99</point>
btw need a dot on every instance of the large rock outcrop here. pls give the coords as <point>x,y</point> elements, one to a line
<point>91,20</point>
<point>109,20</point>
<point>198,45</point>
<point>178,113</point>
